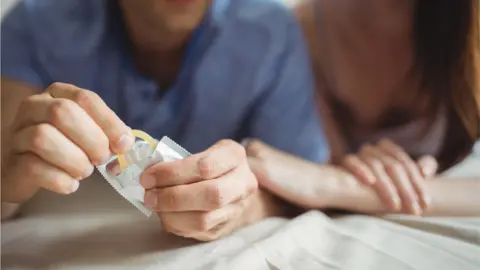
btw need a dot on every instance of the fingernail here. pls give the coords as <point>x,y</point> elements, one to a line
<point>148,181</point>
<point>74,186</point>
<point>124,141</point>
<point>416,209</point>
<point>150,199</point>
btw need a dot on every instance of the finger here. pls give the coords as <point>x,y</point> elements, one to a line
<point>221,158</point>
<point>428,165</point>
<point>203,196</point>
<point>393,150</point>
<point>69,119</point>
<point>410,169</point>
<point>195,222</point>
<point>37,173</point>
<point>49,144</point>
<point>404,187</point>
<point>119,135</point>
<point>169,174</point>
<point>359,169</point>
<point>214,162</point>
<point>384,186</point>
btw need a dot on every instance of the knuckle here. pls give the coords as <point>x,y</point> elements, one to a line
<point>39,137</point>
<point>225,142</point>
<point>26,104</point>
<point>58,85</point>
<point>84,97</point>
<point>60,110</point>
<point>214,197</point>
<point>206,167</point>
<point>233,146</point>
<point>255,148</point>
<point>393,166</point>
<point>237,148</point>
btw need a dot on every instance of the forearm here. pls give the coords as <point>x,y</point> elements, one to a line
<point>449,197</point>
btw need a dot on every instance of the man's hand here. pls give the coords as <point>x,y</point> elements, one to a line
<point>203,196</point>
<point>56,139</point>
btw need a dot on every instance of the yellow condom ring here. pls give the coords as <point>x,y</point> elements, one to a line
<point>139,134</point>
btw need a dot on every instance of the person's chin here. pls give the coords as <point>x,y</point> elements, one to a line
<point>183,3</point>
<point>184,23</point>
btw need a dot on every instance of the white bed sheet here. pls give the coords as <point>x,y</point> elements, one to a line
<point>97,229</point>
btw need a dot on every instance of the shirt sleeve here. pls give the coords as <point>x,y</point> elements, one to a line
<point>286,116</point>
<point>18,51</point>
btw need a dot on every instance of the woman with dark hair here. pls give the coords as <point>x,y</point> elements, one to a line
<point>398,88</point>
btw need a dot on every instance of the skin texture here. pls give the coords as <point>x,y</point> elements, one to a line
<point>314,186</point>
<point>56,138</point>
<point>393,175</point>
<point>206,195</point>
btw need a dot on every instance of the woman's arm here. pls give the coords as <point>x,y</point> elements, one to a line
<point>311,185</point>
<point>449,197</point>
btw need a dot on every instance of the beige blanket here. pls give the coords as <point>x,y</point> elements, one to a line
<point>97,229</point>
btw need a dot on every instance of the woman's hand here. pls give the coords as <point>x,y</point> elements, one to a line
<point>204,196</point>
<point>396,178</point>
<point>56,139</point>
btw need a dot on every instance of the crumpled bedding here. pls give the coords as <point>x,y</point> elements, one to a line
<point>97,229</point>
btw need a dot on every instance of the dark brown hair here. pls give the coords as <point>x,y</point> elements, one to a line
<point>447,44</point>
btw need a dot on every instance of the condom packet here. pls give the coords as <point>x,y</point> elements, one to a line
<point>123,172</point>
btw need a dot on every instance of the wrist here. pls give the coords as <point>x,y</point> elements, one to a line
<point>345,192</point>
<point>260,205</point>
<point>340,189</point>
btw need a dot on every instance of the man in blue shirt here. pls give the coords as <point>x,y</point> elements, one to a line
<point>198,71</point>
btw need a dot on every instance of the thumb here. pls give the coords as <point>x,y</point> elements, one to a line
<point>428,166</point>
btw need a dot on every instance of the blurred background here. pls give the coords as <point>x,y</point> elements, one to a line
<point>6,5</point>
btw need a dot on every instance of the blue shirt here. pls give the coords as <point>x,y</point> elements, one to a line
<point>246,74</point>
